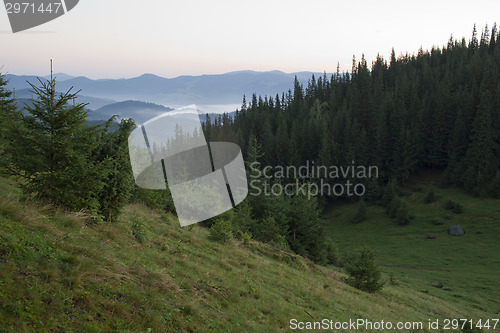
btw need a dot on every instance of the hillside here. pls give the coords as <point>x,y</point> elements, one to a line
<point>463,270</point>
<point>58,272</point>
<point>139,111</point>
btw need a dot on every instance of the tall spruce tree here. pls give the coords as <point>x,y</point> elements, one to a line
<point>480,161</point>
<point>8,114</point>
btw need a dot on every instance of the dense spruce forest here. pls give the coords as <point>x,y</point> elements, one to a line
<point>437,109</point>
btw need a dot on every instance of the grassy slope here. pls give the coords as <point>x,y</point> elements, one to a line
<point>463,270</point>
<point>58,273</point>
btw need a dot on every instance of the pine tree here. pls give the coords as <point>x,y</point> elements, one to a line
<point>306,235</point>
<point>390,192</point>
<point>119,182</point>
<point>51,148</point>
<point>480,162</point>
<point>243,219</point>
<point>363,272</point>
<point>495,186</point>
<point>7,104</point>
<point>8,115</point>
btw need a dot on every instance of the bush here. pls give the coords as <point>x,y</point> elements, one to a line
<point>402,214</point>
<point>393,207</point>
<point>155,199</point>
<point>437,222</point>
<point>392,280</point>
<point>221,231</point>
<point>390,192</point>
<point>449,204</point>
<point>430,197</point>
<point>268,230</point>
<point>360,214</point>
<point>139,230</point>
<point>243,236</point>
<point>454,206</point>
<point>331,252</point>
<point>363,273</point>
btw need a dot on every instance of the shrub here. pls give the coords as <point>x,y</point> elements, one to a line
<point>268,230</point>
<point>402,214</point>
<point>390,192</point>
<point>360,214</point>
<point>243,236</point>
<point>331,252</point>
<point>155,199</point>
<point>221,231</point>
<point>392,280</point>
<point>393,207</point>
<point>449,204</point>
<point>363,272</point>
<point>430,197</point>
<point>454,206</point>
<point>437,222</point>
<point>139,230</point>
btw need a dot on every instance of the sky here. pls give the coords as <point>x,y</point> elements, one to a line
<point>125,38</point>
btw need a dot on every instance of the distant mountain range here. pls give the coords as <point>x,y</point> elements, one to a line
<point>139,111</point>
<point>221,89</point>
<point>94,103</point>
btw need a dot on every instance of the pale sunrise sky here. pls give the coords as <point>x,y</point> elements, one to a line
<point>125,38</point>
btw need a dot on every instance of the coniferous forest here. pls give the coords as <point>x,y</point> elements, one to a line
<point>436,111</point>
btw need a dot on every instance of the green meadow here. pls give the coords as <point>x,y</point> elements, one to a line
<point>144,273</point>
<point>462,270</point>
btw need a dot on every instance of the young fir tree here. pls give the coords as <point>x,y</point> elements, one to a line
<point>363,272</point>
<point>8,115</point>
<point>306,236</point>
<point>118,180</point>
<point>50,148</point>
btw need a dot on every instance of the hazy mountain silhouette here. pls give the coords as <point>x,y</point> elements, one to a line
<point>92,102</point>
<point>183,90</point>
<point>59,77</point>
<point>139,111</point>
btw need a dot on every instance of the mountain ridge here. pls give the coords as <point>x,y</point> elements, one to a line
<point>210,89</point>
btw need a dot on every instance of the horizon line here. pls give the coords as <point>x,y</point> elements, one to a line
<point>170,78</point>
